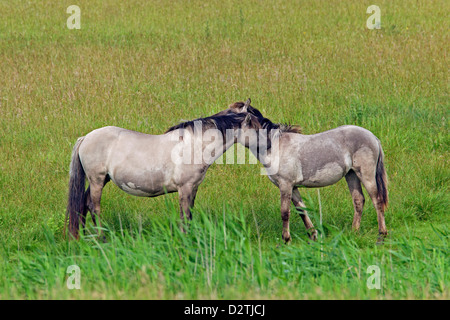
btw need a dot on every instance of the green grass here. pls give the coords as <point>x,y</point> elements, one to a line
<point>222,258</point>
<point>146,66</point>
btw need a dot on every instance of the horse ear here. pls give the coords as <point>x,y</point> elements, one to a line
<point>246,105</point>
<point>248,119</point>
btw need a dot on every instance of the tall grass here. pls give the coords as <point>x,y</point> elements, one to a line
<point>218,258</point>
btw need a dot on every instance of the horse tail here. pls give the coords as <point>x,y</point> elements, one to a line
<point>76,205</point>
<point>381,179</point>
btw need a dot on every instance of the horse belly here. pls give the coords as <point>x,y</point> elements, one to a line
<point>144,185</point>
<point>325,176</point>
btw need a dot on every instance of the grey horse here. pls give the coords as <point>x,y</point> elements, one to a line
<point>148,165</point>
<point>321,160</point>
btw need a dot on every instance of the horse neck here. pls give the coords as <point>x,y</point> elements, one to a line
<point>263,155</point>
<point>219,144</point>
<point>270,157</point>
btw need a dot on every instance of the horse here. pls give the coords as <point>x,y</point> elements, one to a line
<point>148,165</point>
<point>320,160</point>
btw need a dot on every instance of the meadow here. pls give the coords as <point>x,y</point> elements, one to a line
<point>147,65</point>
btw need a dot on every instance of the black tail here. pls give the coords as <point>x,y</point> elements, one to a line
<point>76,205</point>
<point>381,178</point>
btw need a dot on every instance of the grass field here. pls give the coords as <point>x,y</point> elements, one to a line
<point>146,66</point>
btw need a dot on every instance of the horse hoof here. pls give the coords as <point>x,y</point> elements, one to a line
<point>381,237</point>
<point>286,239</point>
<point>313,236</point>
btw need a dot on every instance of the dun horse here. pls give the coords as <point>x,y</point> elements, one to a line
<point>148,165</point>
<point>321,160</point>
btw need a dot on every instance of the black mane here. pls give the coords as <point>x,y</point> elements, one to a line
<point>219,122</point>
<point>266,123</point>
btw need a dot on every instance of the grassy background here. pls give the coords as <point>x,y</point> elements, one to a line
<point>147,65</point>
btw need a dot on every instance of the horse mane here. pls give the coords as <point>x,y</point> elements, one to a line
<point>266,123</point>
<point>220,122</point>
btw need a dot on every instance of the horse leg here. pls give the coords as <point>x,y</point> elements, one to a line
<point>89,207</point>
<point>187,197</point>
<point>94,205</point>
<point>300,206</point>
<point>286,196</point>
<point>194,194</point>
<point>367,178</point>
<point>354,185</point>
